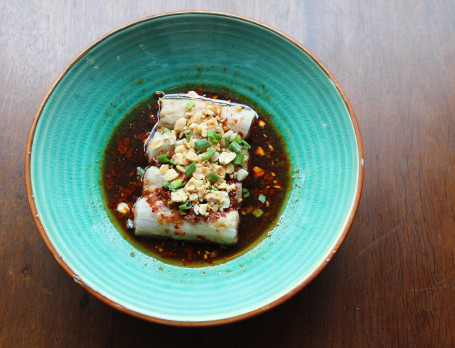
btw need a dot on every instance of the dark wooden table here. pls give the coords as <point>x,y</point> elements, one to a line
<point>393,281</point>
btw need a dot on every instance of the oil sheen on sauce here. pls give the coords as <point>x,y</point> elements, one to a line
<point>122,182</point>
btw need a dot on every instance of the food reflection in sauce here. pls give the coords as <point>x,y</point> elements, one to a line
<point>263,193</point>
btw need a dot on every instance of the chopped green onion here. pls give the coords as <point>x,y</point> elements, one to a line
<point>166,185</point>
<point>140,171</point>
<point>206,156</point>
<point>188,137</point>
<point>262,198</point>
<point>238,158</point>
<point>190,104</point>
<point>175,184</point>
<point>227,141</point>
<point>164,158</point>
<point>213,137</point>
<point>129,224</point>
<point>213,177</point>
<point>202,144</point>
<point>191,168</point>
<point>258,212</point>
<point>187,119</point>
<point>245,193</point>
<point>213,189</point>
<point>166,130</point>
<point>172,161</point>
<point>245,144</point>
<point>235,147</point>
<point>185,206</point>
<point>237,139</point>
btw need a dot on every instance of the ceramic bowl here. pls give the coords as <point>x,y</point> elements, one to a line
<point>76,117</point>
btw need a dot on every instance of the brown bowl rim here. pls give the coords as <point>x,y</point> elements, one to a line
<point>249,314</point>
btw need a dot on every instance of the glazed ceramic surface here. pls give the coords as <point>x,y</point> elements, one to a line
<point>96,90</point>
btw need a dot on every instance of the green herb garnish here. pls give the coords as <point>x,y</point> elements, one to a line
<point>202,144</point>
<point>185,206</point>
<point>244,144</point>
<point>213,177</point>
<point>245,193</point>
<point>190,104</point>
<point>164,158</point>
<point>206,156</point>
<point>238,158</point>
<point>166,130</point>
<point>191,168</point>
<point>140,171</point>
<point>258,212</point>
<point>262,198</point>
<point>235,147</point>
<point>175,184</point>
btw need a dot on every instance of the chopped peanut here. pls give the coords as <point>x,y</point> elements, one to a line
<point>258,172</point>
<point>260,151</point>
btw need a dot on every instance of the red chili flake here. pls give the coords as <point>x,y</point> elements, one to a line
<point>283,156</point>
<point>130,174</point>
<point>129,153</point>
<point>107,150</point>
<point>167,253</point>
<point>144,136</point>
<point>272,192</point>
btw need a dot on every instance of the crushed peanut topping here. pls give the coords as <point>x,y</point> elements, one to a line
<point>206,157</point>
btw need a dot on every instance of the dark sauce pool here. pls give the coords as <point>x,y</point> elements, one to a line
<point>125,152</point>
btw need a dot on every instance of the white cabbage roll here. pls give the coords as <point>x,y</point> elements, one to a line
<point>157,220</point>
<point>239,117</point>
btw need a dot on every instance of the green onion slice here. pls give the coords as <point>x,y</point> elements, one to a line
<point>235,147</point>
<point>191,168</point>
<point>166,185</point>
<point>166,130</point>
<point>188,137</point>
<point>185,206</point>
<point>202,144</point>
<point>238,158</point>
<point>190,104</point>
<point>175,184</point>
<point>245,144</point>
<point>213,177</point>
<point>140,171</point>
<point>258,212</point>
<point>262,198</point>
<point>237,139</point>
<point>245,193</point>
<point>164,158</point>
<point>206,156</point>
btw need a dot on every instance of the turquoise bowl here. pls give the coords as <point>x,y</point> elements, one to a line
<point>300,96</point>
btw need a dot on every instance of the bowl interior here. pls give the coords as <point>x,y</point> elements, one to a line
<point>159,53</point>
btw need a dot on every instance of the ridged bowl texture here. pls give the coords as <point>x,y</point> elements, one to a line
<point>73,124</point>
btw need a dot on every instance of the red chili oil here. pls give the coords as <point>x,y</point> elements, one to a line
<point>269,176</point>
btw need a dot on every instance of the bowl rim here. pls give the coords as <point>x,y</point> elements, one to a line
<point>283,298</point>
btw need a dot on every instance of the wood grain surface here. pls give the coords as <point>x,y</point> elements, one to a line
<point>392,283</point>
